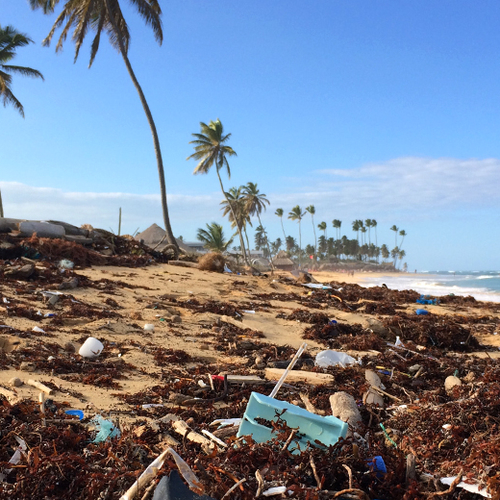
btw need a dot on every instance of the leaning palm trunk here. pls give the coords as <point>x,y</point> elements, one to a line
<point>242,243</point>
<point>149,116</point>
<point>1,205</point>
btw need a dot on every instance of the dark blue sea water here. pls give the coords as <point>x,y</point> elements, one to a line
<point>482,285</point>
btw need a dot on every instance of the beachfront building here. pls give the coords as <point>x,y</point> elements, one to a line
<point>283,262</point>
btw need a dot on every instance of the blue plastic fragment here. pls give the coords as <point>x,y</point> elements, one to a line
<point>421,312</point>
<point>75,413</point>
<point>314,429</point>
<point>105,428</point>
<point>377,465</point>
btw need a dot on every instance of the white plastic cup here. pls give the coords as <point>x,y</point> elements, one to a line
<point>149,327</point>
<point>91,348</point>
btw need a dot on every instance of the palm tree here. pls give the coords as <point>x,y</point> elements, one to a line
<point>322,227</point>
<point>401,256</point>
<point>385,252</point>
<point>290,243</point>
<point>210,149</point>
<point>297,214</point>
<point>356,227</point>
<point>363,232</point>
<point>395,254</point>
<point>395,229</point>
<point>312,211</point>
<point>368,224</point>
<point>337,224</point>
<point>107,16</point>
<point>234,205</point>
<point>402,233</point>
<point>213,237</point>
<point>10,41</point>
<point>255,202</point>
<point>279,213</point>
<point>1,205</point>
<point>374,224</point>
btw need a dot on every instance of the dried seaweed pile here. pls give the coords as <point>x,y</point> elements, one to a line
<point>446,431</point>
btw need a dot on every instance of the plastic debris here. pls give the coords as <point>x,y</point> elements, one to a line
<point>421,312</point>
<point>75,413</point>
<point>66,264</point>
<point>172,487</point>
<point>105,429</point>
<point>91,348</point>
<point>313,429</point>
<point>276,490</point>
<point>324,359</point>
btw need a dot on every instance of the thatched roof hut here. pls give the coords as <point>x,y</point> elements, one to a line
<point>282,261</point>
<point>154,234</point>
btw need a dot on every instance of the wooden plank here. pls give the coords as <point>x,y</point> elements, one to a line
<point>300,376</point>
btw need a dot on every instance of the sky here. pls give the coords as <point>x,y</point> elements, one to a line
<point>365,109</point>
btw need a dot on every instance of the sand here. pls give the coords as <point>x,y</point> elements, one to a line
<point>149,298</point>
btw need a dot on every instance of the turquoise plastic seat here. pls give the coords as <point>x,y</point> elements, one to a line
<point>314,429</point>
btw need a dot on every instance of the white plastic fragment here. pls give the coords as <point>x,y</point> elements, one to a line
<point>324,359</point>
<point>224,422</point>
<point>148,327</point>
<point>14,460</point>
<point>473,488</point>
<point>277,490</point>
<point>38,329</point>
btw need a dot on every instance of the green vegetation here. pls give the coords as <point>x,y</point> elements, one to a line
<point>10,41</point>
<point>213,238</point>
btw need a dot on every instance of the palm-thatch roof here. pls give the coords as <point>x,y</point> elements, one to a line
<point>154,234</point>
<point>282,260</point>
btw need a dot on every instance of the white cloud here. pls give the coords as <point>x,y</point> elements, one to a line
<point>403,185</point>
<point>101,209</point>
<point>399,189</point>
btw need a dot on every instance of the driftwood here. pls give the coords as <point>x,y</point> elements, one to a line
<point>40,386</point>
<point>300,376</point>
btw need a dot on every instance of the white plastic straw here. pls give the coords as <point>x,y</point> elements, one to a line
<point>302,348</point>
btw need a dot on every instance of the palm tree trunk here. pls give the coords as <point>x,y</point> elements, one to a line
<point>267,243</point>
<point>300,247</point>
<point>149,116</point>
<point>283,227</point>
<point>248,242</point>
<point>315,239</point>
<point>242,243</point>
<point>1,205</point>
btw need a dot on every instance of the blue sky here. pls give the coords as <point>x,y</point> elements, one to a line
<point>365,109</point>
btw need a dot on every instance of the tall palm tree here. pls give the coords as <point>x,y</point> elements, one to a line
<point>395,229</point>
<point>401,256</point>
<point>213,237</point>
<point>322,227</point>
<point>255,203</point>
<point>374,224</point>
<point>234,206</point>
<point>363,232</point>
<point>368,224</point>
<point>356,227</point>
<point>312,211</point>
<point>211,149</point>
<point>297,214</point>
<point>337,225</point>
<point>106,16</point>
<point>279,213</point>
<point>10,41</point>
<point>1,205</point>
<point>402,233</point>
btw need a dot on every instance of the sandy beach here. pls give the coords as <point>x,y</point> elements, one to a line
<point>205,323</point>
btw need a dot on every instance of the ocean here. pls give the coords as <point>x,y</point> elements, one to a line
<point>482,285</point>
